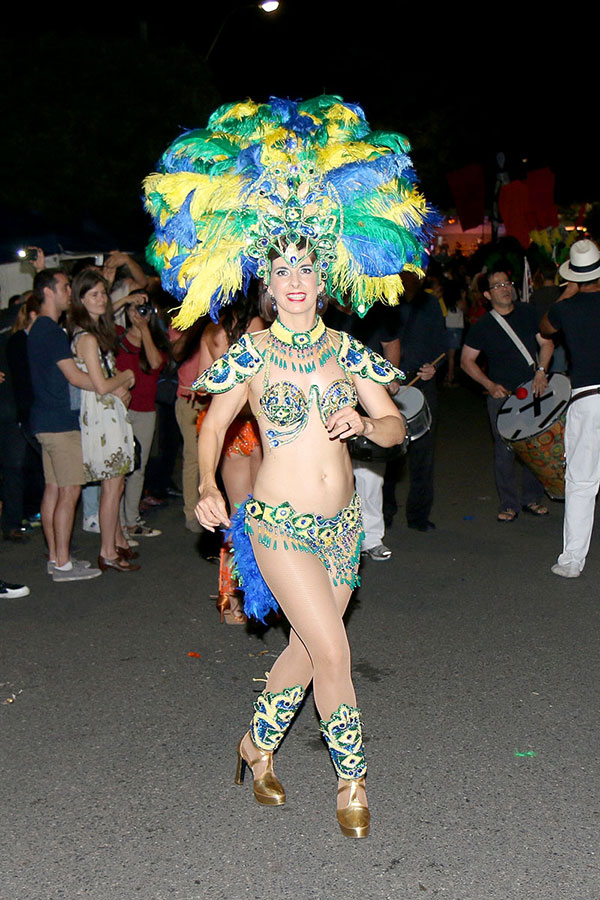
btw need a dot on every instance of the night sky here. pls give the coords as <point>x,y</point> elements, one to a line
<point>88,104</point>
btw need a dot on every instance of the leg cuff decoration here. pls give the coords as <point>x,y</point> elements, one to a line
<point>273,714</point>
<point>343,736</point>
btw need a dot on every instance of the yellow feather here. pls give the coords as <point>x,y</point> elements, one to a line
<point>206,273</point>
<point>240,111</point>
<point>338,112</point>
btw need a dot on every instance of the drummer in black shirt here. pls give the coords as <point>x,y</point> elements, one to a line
<point>508,368</point>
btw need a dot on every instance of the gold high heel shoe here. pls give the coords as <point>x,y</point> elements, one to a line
<point>273,713</point>
<point>354,818</point>
<point>268,790</point>
<point>343,736</point>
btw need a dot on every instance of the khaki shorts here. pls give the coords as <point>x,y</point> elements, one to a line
<point>62,457</point>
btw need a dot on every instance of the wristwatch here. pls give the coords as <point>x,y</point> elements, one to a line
<point>541,369</point>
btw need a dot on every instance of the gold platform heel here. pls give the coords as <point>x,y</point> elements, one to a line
<point>354,819</point>
<point>273,714</point>
<point>268,790</point>
<point>343,736</point>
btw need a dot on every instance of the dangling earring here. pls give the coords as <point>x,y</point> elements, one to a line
<point>273,302</point>
<point>320,301</point>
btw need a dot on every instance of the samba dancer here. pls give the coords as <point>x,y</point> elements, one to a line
<point>309,200</point>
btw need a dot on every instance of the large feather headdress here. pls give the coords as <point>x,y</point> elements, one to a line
<point>281,175</point>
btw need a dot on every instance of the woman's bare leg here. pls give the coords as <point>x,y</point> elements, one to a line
<point>238,473</point>
<point>110,496</point>
<point>318,642</point>
<point>318,646</point>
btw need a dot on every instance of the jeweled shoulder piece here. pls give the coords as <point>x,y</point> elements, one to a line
<point>357,359</point>
<point>241,362</point>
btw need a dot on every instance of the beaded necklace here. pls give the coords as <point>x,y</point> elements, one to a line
<point>299,349</point>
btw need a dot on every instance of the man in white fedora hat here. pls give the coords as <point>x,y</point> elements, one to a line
<point>577,314</point>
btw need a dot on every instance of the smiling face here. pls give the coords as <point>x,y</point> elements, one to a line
<point>294,288</point>
<point>95,301</point>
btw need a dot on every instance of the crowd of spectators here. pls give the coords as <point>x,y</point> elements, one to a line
<point>135,359</point>
<point>92,377</point>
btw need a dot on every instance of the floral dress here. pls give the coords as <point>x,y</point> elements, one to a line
<point>106,433</point>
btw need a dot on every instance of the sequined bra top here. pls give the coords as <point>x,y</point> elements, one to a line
<point>283,403</point>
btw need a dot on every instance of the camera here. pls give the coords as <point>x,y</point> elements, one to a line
<point>29,253</point>
<point>144,309</point>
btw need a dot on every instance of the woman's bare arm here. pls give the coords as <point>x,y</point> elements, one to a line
<point>211,510</point>
<point>384,424</point>
<point>87,348</point>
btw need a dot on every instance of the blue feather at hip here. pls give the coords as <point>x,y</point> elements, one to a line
<point>258,599</point>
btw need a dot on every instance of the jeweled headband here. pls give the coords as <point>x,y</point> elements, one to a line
<point>267,179</point>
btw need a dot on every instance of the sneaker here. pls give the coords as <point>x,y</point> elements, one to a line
<point>12,591</point>
<point>378,553</point>
<point>91,524</point>
<point>84,563</point>
<point>569,570</point>
<point>77,573</point>
<point>140,529</point>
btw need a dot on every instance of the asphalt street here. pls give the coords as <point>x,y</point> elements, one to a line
<point>476,671</point>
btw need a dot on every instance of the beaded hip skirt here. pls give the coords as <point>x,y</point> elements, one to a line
<point>334,540</point>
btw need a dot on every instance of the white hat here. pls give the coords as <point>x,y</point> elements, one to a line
<point>583,264</point>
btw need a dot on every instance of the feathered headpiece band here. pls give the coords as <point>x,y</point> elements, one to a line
<point>280,175</point>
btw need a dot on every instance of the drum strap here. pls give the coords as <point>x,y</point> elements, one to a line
<point>513,336</point>
<point>591,393</point>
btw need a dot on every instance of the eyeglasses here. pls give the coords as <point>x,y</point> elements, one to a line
<point>501,284</point>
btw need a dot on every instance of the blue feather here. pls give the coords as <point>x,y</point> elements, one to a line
<point>180,227</point>
<point>258,599</point>
<point>358,178</point>
<point>384,257</point>
<point>248,161</point>
<point>169,277</point>
<point>290,117</point>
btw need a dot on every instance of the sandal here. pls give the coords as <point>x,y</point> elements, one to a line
<point>536,509</point>
<point>507,515</point>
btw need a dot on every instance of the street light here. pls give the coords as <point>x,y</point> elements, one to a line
<point>267,6</point>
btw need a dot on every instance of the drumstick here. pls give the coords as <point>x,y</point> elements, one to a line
<point>434,363</point>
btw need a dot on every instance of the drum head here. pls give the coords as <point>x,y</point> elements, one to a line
<point>414,407</point>
<point>524,415</point>
<point>409,400</point>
